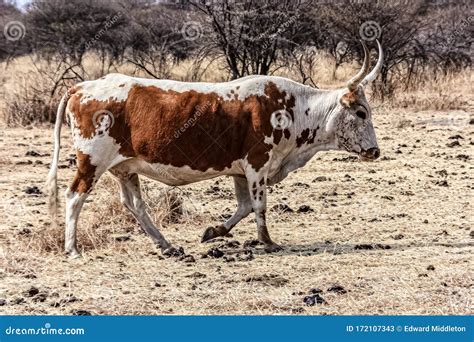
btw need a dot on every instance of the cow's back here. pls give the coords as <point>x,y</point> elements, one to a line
<point>200,125</point>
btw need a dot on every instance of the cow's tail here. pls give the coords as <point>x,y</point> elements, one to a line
<point>52,181</point>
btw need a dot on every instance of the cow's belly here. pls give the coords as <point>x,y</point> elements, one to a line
<point>172,175</point>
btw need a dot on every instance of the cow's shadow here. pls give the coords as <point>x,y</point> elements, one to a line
<point>346,248</point>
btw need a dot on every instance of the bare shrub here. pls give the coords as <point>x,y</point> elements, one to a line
<point>250,36</point>
<point>154,39</point>
<point>303,64</point>
<point>10,48</point>
<point>170,207</point>
<point>72,28</point>
<point>397,25</point>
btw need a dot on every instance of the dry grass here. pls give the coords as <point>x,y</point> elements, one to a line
<point>443,92</point>
<point>400,201</point>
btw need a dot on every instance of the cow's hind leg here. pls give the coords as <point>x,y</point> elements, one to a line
<point>131,198</point>
<point>257,184</point>
<point>244,207</point>
<point>76,194</point>
<point>74,203</point>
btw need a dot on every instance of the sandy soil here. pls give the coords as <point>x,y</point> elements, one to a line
<point>390,237</point>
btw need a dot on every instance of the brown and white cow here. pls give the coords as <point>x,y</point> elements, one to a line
<point>256,129</point>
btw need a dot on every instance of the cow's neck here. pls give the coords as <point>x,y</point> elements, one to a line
<point>321,104</point>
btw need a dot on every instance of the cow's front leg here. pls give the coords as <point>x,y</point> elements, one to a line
<point>243,209</point>
<point>258,197</point>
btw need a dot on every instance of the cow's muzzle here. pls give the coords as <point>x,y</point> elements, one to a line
<point>370,154</point>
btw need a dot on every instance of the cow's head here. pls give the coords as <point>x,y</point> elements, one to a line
<point>352,120</point>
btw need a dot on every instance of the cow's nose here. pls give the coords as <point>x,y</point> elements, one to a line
<point>370,154</point>
<point>373,153</point>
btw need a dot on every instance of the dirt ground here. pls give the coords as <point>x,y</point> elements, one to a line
<point>393,236</point>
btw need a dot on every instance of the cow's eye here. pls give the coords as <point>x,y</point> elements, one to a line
<point>361,114</point>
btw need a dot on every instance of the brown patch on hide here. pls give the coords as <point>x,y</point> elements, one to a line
<point>84,178</point>
<point>192,129</point>
<point>349,99</point>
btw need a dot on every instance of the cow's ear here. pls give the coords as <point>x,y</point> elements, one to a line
<point>349,99</point>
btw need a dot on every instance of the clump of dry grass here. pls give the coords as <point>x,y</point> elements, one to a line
<point>91,235</point>
<point>26,94</point>
<point>436,92</point>
<point>170,208</point>
<point>172,205</point>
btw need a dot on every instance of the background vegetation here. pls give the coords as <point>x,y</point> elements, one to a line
<point>50,45</point>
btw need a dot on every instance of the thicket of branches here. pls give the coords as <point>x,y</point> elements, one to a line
<point>246,36</point>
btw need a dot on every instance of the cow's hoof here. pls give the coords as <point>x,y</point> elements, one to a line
<point>213,232</point>
<point>209,234</point>
<point>73,254</point>
<point>173,252</point>
<point>273,248</point>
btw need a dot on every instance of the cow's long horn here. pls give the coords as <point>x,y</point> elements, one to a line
<point>375,71</point>
<point>354,82</point>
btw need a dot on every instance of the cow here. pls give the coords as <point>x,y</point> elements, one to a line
<point>256,129</point>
